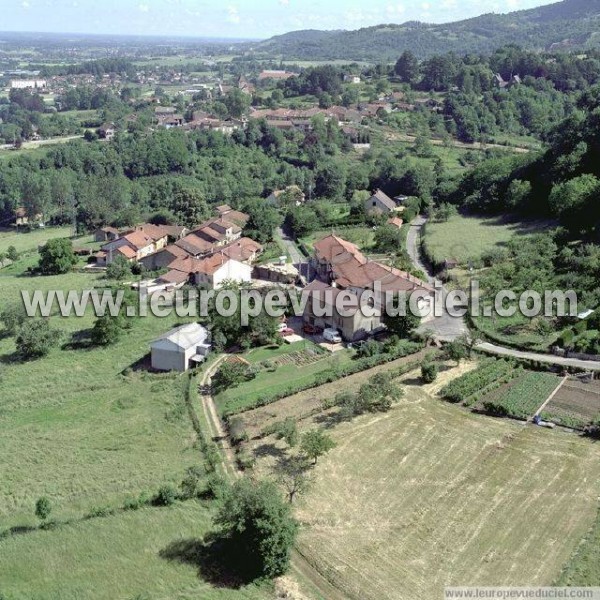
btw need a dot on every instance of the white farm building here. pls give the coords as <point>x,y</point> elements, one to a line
<point>181,348</point>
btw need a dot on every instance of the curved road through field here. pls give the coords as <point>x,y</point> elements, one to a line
<point>447,328</point>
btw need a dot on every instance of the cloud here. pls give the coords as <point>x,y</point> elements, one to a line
<point>284,2</point>
<point>25,4</point>
<point>395,9</point>
<point>233,15</point>
<point>143,8</point>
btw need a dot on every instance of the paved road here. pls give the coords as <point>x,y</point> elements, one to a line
<point>589,365</point>
<point>447,328</point>
<point>290,246</point>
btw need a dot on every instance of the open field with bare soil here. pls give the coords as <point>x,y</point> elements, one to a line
<point>576,404</point>
<point>429,495</point>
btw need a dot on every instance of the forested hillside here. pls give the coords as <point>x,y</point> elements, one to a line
<point>568,24</point>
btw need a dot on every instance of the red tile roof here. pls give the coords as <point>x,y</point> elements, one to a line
<point>127,251</point>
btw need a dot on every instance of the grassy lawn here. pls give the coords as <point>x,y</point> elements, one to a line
<point>467,238</point>
<point>428,496</point>
<point>126,556</point>
<point>75,428</point>
<point>26,242</point>
<point>257,355</point>
<point>87,429</point>
<point>285,377</point>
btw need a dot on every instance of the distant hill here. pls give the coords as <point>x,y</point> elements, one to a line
<point>571,24</point>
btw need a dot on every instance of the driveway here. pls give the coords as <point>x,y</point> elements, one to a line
<point>290,246</point>
<point>445,328</point>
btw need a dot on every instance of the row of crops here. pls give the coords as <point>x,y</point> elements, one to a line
<point>490,373</point>
<point>522,397</point>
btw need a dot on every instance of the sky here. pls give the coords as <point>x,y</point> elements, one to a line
<point>248,19</point>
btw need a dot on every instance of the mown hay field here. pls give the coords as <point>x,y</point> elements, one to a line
<point>429,495</point>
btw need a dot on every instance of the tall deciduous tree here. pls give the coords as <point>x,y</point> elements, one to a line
<point>260,526</point>
<point>57,257</point>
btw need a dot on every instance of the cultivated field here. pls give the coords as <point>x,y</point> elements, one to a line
<point>467,238</point>
<point>428,495</point>
<point>576,404</point>
<point>523,396</point>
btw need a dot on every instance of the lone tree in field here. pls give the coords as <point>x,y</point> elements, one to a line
<point>259,525</point>
<point>57,257</point>
<point>43,508</point>
<point>315,443</point>
<point>13,316</point>
<point>35,338</point>
<point>292,474</point>
<point>107,330</point>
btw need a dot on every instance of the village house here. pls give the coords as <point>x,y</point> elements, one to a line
<point>106,234</point>
<point>212,271</point>
<point>107,131</point>
<point>181,348</point>
<point>380,203</point>
<point>339,264</point>
<point>320,311</point>
<point>134,245</point>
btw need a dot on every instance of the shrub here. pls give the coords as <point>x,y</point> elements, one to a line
<point>107,330</point>
<point>13,316</point>
<point>118,269</point>
<point>566,339</point>
<point>12,253</point>
<point>237,432</point>
<point>288,430</point>
<point>429,372</point>
<point>192,484</point>
<point>100,511</point>
<point>245,460</point>
<point>217,486</point>
<point>229,375</point>
<point>43,508</point>
<point>496,410</point>
<point>166,496</point>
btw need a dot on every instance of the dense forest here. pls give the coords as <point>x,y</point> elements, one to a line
<point>569,24</point>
